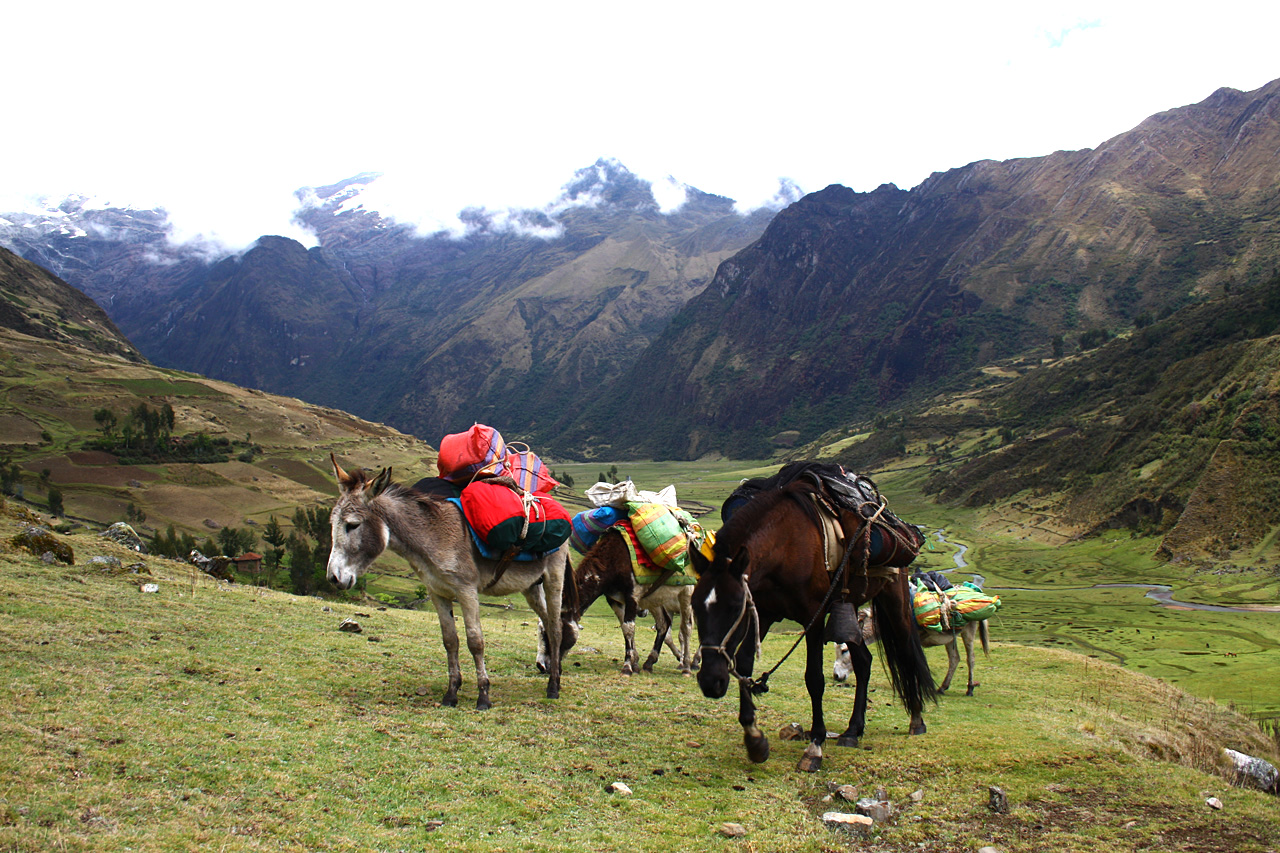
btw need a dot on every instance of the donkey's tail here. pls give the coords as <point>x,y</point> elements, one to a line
<point>903,654</point>
<point>985,636</point>
<point>569,600</point>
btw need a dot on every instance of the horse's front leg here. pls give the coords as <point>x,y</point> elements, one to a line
<point>755,741</point>
<point>470,604</point>
<point>449,633</point>
<point>860,665</point>
<point>815,681</point>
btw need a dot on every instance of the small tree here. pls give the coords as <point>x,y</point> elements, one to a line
<point>273,534</point>
<point>106,420</point>
<point>55,501</point>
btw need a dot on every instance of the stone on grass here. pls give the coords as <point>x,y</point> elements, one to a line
<point>1254,772</point>
<point>351,626</point>
<point>1213,803</point>
<point>791,731</point>
<point>848,793</point>
<point>619,788</point>
<point>150,587</point>
<point>125,535</point>
<point>732,830</point>
<point>877,810</point>
<point>997,801</point>
<point>843,820</point>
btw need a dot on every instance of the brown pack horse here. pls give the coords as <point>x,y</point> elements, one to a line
<point>770,565</point>
<point>430,532</point>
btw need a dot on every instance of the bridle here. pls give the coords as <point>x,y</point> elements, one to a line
<point>748,607</point>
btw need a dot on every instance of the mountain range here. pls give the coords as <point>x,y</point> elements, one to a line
<point>431,333</point>
<point>963,322</point>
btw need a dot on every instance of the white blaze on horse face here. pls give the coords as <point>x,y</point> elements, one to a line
<point>711,599</point>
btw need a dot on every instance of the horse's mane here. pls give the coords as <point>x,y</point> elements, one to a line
<point>745,521</point>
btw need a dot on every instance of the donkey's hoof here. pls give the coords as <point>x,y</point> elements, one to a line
<point>483,704</point>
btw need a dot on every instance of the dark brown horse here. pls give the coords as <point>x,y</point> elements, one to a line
<point>772,563</point>
<point>607,571</point>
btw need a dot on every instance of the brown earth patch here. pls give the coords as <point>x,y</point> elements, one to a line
<point>93,468</point>
<point>17,429</point>
<point>299,472</point>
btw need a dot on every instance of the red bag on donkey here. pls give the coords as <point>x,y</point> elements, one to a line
<point>497,513</point>
<point>463,455</point>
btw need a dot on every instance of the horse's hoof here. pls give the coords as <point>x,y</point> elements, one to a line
<point>969,692</point>
<point>449,701</point>
<point>847,740</point>
<point>553,694</point>
<point>811,760</point>
<point>757,749</point>
<point>918,730</point>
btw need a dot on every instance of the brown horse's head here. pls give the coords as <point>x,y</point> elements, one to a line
<point>359,533</point>
<point>725,616</point>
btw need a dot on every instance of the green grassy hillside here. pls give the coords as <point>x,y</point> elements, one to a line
<point>206,716</point>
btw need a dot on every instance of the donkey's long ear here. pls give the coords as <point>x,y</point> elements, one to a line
<point>345,480</point>
<point>380,483</point>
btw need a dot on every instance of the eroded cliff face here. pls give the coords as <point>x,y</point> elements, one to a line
<point>851,301</point>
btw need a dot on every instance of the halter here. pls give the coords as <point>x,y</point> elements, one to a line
<point>748,605</point>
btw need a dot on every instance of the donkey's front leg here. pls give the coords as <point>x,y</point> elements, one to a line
<point>470,604</point>
<point>815,681</point>
<point>449,633</point>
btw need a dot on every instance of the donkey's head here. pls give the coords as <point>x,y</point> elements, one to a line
<point>360,532</point>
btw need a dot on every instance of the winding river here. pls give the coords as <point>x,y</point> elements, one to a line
<point>1159,593</point>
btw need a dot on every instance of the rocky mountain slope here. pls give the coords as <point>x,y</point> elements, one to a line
<point>508,323</point>
<point>851,302</point>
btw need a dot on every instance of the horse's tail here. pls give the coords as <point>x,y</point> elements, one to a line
<point>984,635</point>
<point>903,654</point>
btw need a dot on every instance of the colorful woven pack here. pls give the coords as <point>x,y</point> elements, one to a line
<point>646,570</point>
<point>527,470</point>
<point>951,608</point>
<point>589,524</point>
<point>660,533</point>
<point>463,455</point>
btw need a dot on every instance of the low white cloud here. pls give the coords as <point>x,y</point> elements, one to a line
<point>493,108</point>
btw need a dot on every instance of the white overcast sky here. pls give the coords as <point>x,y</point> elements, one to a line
<point>219,111</point>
